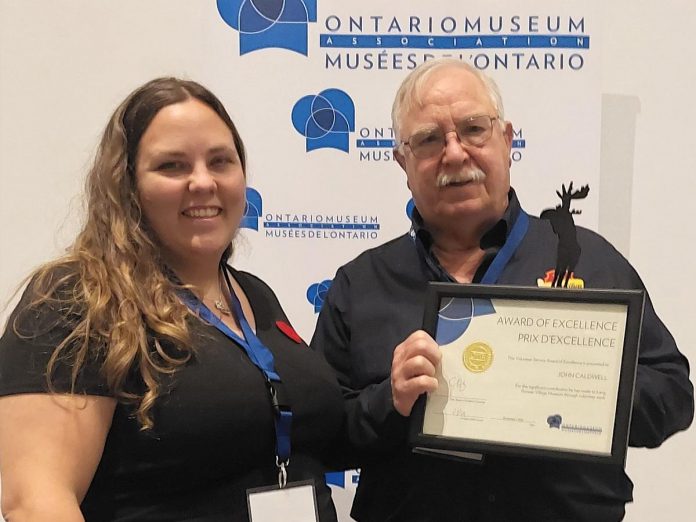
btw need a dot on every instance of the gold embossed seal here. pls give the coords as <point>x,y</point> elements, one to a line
<point>477,357</point>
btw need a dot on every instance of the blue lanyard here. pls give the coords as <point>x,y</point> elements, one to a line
<point>501,259</point>
<point>262,357</point>
<point>519,229</point>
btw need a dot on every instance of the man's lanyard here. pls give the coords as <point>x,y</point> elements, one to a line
<point>262,358</point>
<point>501,259</point>
<point>495,269</point>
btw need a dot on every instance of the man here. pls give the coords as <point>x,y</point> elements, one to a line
<point>454,145</point>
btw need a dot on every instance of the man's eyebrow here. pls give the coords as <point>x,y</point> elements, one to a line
<point>427,128</point>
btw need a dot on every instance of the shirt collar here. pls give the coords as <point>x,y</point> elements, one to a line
<point>491,241</point>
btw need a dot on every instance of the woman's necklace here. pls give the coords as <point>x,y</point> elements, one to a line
<point>220,303</point>
<point>222,307</point>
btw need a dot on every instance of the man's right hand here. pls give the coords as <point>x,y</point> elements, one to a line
<point>413,370</point>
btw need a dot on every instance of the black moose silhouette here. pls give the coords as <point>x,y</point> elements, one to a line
<point>561,219</point>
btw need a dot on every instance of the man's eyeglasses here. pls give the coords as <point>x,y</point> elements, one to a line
<point>428,143</point>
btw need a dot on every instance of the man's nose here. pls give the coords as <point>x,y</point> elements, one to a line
<point>455,151</point>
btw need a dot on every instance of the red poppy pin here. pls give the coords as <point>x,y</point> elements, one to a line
<point>289,331</point>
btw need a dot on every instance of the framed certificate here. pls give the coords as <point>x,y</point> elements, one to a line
<point>531,371</point>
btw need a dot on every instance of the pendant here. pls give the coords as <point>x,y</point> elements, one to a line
<point>221,307</point>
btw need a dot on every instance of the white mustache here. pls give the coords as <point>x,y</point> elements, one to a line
<point>464,176</point>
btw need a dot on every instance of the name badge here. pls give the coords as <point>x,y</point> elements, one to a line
<point>296,502</point>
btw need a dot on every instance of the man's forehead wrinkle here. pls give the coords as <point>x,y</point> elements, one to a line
<point>439,90</point>
<point>425,116</point>
<point>432,114</point>
<point>431,99</point>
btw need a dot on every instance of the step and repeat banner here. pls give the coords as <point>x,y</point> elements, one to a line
<point>318,79</point>
<point>310,84</point>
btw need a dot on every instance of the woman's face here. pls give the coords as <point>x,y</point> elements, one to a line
<point>190,182</point>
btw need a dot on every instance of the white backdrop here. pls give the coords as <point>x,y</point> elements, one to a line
<point>65,65</point>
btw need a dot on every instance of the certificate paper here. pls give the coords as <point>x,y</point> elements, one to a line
<point>529,370</point>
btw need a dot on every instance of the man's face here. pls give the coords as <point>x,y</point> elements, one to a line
<point>448,97</point>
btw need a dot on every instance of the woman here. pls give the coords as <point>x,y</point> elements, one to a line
<point>142,377</point>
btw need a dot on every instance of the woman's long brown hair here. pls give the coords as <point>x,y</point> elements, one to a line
<point>122,304</point>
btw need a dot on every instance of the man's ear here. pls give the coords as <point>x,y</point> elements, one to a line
<point>508,133</point>
<point>400,159</point>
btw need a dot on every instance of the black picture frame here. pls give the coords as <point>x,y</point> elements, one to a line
<point>633,300</point>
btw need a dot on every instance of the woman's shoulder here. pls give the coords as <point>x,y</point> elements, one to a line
<point>49,299</point>
<point>263,300</point>
<point>253,284</point>
<point>247,277</point>
<point>46,316</point>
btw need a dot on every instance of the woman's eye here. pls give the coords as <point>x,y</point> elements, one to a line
<point>222,161</point>
<point>171,166</point>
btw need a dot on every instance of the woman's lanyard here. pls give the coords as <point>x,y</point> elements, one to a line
<point>262,358</point>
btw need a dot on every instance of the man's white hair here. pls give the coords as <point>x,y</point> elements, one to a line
<point>409,94</point>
